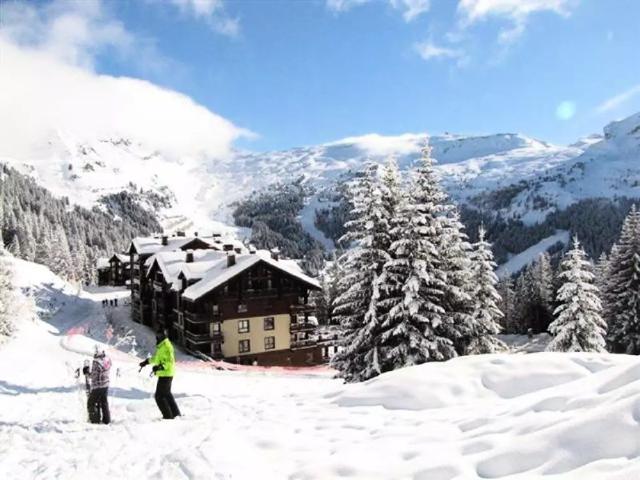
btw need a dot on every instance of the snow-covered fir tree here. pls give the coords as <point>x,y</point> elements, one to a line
<point>507,305</point>
<point>356,306</point>
<point>414,279</point>
<point>456,259</point>
<point>578,324</point>
<point>622,294</point>
<point>534,296</point>
<point>486,313</point>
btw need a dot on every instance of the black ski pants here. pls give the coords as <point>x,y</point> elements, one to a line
<point>98,406</point>
<point>164,398</point>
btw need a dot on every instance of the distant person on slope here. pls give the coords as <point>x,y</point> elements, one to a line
<point>163,361</point>
<point>97,402</point>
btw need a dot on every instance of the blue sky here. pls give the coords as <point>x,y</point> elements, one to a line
<point>304,72</point>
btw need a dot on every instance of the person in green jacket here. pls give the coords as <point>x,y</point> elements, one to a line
<point>164,361</point>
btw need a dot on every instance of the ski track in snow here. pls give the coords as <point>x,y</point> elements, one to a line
<point>542,415</point>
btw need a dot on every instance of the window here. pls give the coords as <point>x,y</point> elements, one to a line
<point>216,348</point>
<point>269,323</point>
<point>181,320</point>
<point>215,327</point>
<point>242,308</point>
<point>244,346</point>
<point>269,343</point>
<point>243,326</point>
<point>215,309</point>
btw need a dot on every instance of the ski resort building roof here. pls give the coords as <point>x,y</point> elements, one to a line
<point>171,263</point>
<point>221,272</point>
<point>121,257</point>
<point>151,245</point>
<point>102,263</point>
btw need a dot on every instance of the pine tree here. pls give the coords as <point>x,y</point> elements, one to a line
<point>356,306</point>
<point>414,280</point>
<point>506,290</point>
<point>456,255</point>
<point>623,288</point>
<point>578,325</point>
<point>486,313</point>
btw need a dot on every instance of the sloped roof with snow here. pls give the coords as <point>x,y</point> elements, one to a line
<point>220,273</point>
<point>171,263</point>
<point>102,262</point>
<point>121,257</point>
<point>151,245</point>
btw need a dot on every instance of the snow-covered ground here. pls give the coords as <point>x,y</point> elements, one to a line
<point>543,415</point>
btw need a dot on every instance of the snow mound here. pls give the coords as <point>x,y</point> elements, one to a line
<point>571,415</point>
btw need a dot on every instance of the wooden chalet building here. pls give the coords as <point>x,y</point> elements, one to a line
<point>140,250</point>
<point>216,298</point>
<point>248,308</point>
<point>162,270</point>
<point>119,269</point>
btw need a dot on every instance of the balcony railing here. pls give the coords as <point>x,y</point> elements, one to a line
<point>299,308</point>
<point>199,317</point>
<point>297,344</point>
<point>302,327</point>
<point>204,337</point>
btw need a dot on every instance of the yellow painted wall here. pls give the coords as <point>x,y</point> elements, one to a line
<point>256,335</point>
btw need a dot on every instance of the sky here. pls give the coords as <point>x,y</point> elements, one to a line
<point>267,74</point>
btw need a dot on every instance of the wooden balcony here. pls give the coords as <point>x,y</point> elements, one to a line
<point>300,308</point>
<point>200,338</point>
<point>307,343</point>
<point>199,317</point>
<point>302,327</point>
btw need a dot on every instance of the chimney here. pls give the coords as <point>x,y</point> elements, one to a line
<point>252,249</point>
<point>231,259</point>
<point>165,240</point>
<point>195,234</point>
<point>189,258</point>
<point>275,254</point>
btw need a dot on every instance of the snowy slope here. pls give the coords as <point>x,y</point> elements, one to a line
<point>521,260</point>
<point>555,416</point>
<point>200,189</point>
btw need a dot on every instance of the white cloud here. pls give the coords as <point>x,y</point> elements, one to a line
<point>516,12</point>
<point>48,86</point>
<point>212,12</point>
<point>411,9</point>
<point>74,32</point>
<point>428,51</point>
<point>618,100</point>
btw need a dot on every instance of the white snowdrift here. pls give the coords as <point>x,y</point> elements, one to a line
<point>543,415</point>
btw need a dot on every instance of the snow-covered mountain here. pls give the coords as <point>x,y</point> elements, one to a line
<point>510,173</point>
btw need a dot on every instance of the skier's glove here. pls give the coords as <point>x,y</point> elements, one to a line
<point>157,368</point>
<point>85,370</point>
<point>144,363</point>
